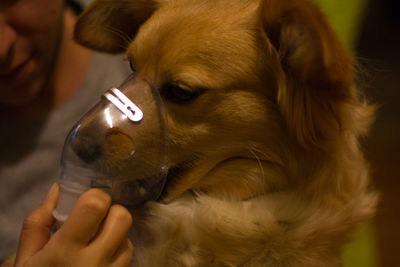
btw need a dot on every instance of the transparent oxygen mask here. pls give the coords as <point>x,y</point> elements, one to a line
<point>120,145</point>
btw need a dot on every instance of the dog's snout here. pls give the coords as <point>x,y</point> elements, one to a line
<point>89,152</point>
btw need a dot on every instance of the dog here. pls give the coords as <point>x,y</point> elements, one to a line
<point>265,117</point>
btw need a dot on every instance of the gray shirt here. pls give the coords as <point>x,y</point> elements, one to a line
<point>30,149</point>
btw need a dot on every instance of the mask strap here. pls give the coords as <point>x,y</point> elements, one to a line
<point>124,104</point>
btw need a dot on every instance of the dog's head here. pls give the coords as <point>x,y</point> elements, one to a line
<point>249,80</point>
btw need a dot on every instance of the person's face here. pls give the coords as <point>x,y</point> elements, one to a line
<point>30,32</point>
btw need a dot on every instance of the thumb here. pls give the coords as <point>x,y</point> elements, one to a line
<point>35,231</point>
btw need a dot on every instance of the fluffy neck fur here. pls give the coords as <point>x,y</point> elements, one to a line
<point>302,221</point>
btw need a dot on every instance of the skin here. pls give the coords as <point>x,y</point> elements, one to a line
<point>41,67</point>
<point>99,240</point>
<point>40,64</point>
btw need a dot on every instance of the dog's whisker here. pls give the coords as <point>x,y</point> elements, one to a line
<point>253,152</point>
<point>270,157</point>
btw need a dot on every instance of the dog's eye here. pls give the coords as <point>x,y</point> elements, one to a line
<point>179,93</point>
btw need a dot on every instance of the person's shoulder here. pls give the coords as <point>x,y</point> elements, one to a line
<point>106,71</point>
<point>110,64</point>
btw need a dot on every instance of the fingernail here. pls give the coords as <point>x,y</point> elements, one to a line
<point>52,192</point>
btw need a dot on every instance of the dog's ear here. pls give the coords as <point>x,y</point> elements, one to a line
<point>318,70</point>
<point>109,25</point>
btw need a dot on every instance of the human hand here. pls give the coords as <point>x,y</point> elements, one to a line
<point>93,235</point>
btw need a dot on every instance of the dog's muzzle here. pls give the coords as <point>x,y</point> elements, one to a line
<point>120,145</point>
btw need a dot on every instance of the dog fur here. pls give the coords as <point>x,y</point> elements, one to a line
<point>265,118</point>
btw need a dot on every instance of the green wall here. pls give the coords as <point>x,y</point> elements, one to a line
<point>345,17</point>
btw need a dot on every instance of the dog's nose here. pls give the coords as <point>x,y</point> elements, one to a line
<point>119,144</point>
<point>89,152</point>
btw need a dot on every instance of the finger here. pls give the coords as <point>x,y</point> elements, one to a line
<point>35,231</point>
<point>123,255</point>
<point>85,218</point>
<point>113,231</point>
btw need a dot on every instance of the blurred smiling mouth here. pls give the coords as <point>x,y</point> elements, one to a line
<point>17,75</point>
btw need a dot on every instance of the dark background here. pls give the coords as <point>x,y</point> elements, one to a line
<point>379,51</point>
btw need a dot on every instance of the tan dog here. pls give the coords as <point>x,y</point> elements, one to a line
<point>264,118</point>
